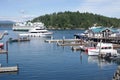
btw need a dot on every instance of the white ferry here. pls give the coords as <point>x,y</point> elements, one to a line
<point>25,26</point>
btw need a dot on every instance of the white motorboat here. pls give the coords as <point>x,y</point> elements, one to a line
<point>38,31</point>
<point>100,62</point>
<point>103,49</point>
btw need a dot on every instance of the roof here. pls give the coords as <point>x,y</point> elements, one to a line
<point>97,30</point>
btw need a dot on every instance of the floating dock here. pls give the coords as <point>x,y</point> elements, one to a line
<point>8,69</point>
<point>69,44</point>
<point>62,40</point>
<point>3,51</point>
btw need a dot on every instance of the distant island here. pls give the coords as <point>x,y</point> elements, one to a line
<point>6,23</point>
<point>76,20</point>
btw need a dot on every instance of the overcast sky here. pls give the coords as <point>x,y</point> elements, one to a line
<point>17,10</point>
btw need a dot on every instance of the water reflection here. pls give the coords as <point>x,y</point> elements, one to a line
<point>101,62</point>
<point>15,73</point>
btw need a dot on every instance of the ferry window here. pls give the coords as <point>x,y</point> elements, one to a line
<point>33,32</point>
<point>105,47</point>
<point>39,29</point>
<point>102,48</point>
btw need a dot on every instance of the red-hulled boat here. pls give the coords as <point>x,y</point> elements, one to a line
<point>1,45</point>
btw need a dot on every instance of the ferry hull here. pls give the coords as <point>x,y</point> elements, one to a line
<point>22,28</point>
<point>36,35</point>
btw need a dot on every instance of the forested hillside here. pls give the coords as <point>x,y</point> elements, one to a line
<point>75,20</point>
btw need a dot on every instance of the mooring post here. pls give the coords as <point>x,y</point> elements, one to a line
<point>7,46</point>
<point>51,37</point>
<point>81,41</point>
<point>7,50</point>
<point>63,39</point>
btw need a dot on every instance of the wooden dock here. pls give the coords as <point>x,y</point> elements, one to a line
<point>69,44</point>
<point>8,69</point>
<point>105,39</point>
<point>62,40</point>
<point>2,51</point>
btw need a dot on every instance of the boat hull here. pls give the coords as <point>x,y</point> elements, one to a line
<point>8,69</point>
<point>1,45</point>
<point>36,35</point>
<point>104,52</point>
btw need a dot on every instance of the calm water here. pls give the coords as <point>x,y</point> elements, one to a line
<point>44,61</point>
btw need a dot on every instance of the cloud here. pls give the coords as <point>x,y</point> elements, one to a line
<point>23,16</point>
<point>108,8</point>
<point>19,18</point>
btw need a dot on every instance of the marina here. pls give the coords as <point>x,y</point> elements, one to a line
<point>42,52</point>
<point>60,40</point>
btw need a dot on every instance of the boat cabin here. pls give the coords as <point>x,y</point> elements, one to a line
<point>104,46</point>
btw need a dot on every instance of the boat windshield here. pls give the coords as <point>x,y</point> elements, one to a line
<point>104,47</point>
<point>39,29</point>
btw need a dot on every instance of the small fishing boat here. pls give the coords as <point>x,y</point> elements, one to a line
<point>103,49</point>
<point>86,48</point>
<point>1,45</point>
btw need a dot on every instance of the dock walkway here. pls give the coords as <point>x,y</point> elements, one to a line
<point>62,40</point>
<point>69,44</point>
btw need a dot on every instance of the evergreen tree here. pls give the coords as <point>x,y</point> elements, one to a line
<point>75,20</point>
